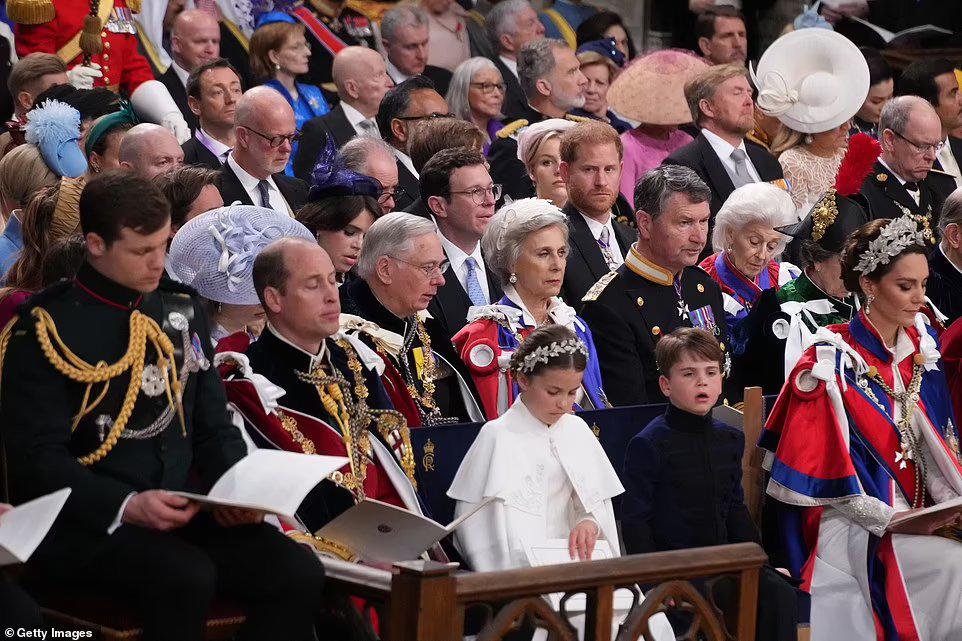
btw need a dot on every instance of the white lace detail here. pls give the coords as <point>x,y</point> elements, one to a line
<point>530,496</point>
<point>809,175</point>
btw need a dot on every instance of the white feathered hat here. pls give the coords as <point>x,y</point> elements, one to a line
<point>812,80</point>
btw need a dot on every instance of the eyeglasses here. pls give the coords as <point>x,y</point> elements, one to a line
<point>431,270</point>
<point>278,140</point>
<point>489,87</point>
<point>478,193</point>
<point>937,147</point>
<point>427,117</point>
<point>395,193</point>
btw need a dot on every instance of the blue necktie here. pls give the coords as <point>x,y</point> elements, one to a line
<point>475,293</point>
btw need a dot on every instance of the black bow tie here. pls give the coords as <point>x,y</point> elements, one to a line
<point>911,186</point>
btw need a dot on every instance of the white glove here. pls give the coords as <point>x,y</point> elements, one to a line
<point>82,76</point>
<point>152,102</point>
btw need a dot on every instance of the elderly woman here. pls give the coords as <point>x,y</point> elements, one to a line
<point>214,253</point>
<point>279,53</point>
<point>476,94</point>
<point>539,148</point>
<point>526,244</point>
<point>600,63</point>
<point>746,243</point>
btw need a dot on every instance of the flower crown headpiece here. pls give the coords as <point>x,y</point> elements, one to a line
<point>900,234</point>
<point>545,353</point>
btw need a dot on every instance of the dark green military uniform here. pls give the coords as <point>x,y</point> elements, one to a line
<point>170,576</point>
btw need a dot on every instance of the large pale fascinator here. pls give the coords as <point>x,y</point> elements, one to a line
<point>54,128</point>
<point>214,252</point>
<point>331,178</point>
<point>651,89</point>
<point>812,80</point>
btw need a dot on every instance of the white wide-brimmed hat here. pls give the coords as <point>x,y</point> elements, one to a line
<point>812,80</point>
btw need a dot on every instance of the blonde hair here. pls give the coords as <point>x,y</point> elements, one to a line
<point>784,139</point>
<point>22,172</point>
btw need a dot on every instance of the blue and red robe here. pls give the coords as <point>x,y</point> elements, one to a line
<point>740,292</point>
<point>831,443</point>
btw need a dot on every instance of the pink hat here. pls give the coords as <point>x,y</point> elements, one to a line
<point>651,89</point>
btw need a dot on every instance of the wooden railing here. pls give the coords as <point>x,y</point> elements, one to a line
<point>427,601</point>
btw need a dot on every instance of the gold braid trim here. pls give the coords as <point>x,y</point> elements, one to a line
<point>824,215</point>
<point>143,329</point>
<point>386,421</point>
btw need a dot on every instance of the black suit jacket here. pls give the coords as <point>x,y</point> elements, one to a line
<point>451,303</point>
<point>887,196</point>
<point>179,93</point>
<point>586,265</point>
<point>945,286</point>
<point>314,135</point>
<point>440,76</point>
<point>946,187</point>
<point>195,153</point>
<point>700,156</point>
<point>409,183</point>
<point>293,190</point>
<point>515,104</point>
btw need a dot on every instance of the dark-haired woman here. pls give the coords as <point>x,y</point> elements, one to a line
<point>340,224</point>
<point>863,438</point>
<point>880,91</point>
<point>607,24</point>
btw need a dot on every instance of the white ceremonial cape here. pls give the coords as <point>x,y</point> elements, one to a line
<point>498,464</point>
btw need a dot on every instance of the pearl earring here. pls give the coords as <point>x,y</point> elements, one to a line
<point>868,303</point>
<point>513,278</point>
<point>808,139</point>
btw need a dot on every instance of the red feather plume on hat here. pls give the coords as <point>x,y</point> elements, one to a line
<point>863,151</point>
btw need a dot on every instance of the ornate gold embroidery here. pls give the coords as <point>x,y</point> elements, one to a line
<point>428,461</point>
<point>290,426</point>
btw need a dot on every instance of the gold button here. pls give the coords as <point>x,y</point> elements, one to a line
<point>106,57</point>
<point>701,288</point>
<point>656,330</point>
<point>103,34</point>
<point>107,81</point>
<point>640,301</point>
<point>107,45</point>
<point>881,177</point>
<point>722,346</point>
<point>106,68</point>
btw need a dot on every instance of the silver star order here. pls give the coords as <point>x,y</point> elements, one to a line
<point>683,310</point>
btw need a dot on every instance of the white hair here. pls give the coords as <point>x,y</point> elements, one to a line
<point>401,16</point>
<point>356,152</point>
<point>510,226</point>
<point>457,97</point>
<point>391,235</point>
<point>503,19</point>
<point>755,203</point>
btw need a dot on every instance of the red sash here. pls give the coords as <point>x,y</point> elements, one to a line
<point>319,30</point>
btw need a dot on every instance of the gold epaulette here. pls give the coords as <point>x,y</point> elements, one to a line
<point>31,11</point>
<point>477,16</point>
<point>598,287</point>
<point>512,128</point>
<point>574,118</point>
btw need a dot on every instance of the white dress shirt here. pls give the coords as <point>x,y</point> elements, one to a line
<point>396,74</point>
<point>950,163</point>
<point>181,73</point>
<point>355,117</point>
<point>595,227</point>
<point>512,65</point>
<point>406,161</point>
<point>215,146</point>
<point>914,195</point>
<point>723,150</point>
<point>459,268</point>
<point>249,183</point>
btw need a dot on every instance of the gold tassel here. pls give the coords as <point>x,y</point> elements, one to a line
<point>90,42</point>
<point>134,5</point>
<point>31,11</point>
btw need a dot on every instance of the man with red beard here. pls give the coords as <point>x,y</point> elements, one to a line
<point>265,131</point>
<point>401,268</point>
<point>591,154</point>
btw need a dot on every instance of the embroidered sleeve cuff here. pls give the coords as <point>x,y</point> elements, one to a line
<point>868,512</point>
